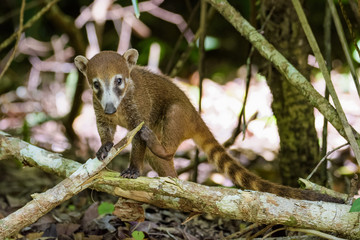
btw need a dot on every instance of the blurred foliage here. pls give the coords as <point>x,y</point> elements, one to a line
<point>230,54</point>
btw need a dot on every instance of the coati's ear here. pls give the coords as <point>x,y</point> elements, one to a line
<point>81,64</point>
<point>131,57</point>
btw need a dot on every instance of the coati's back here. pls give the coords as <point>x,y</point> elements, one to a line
<point>167,111</point>
<point>157,92</point>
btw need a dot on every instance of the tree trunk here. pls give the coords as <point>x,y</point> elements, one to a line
<point>299,149</point>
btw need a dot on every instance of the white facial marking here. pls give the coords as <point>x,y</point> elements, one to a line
<point>122,81</point>
<point>122,86</point>
<point>112,90</point>
<point>109,96</point>
<point>97,84</point>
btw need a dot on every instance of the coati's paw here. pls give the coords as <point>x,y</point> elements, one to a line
<point>130,173</point>
<point>104,150</point>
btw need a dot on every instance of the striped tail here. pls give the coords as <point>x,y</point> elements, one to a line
<point>242,177</point>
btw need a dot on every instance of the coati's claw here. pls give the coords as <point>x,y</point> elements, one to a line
<point>104,150</point>
<point>131,173</point>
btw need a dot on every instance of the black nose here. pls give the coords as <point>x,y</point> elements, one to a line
<point>109,108</point>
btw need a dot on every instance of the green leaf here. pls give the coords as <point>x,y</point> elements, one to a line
<point>71,207</point>
<point>105,208</point>
<point>138,235</point>
<point>211,43</point>
<point>136,8</point>
<point>356,206</point>
<point>70,84</point>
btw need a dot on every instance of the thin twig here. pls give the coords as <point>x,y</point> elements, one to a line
<point>178,42</point>
<point>327,44</point>
<point>185,55</point>
<point>264,230</point>
<point>355,10</point>
<point>242,118</point>
<point>324,158</point>
<point>28,24</point>
<point>242,232</point>
<point>18,37</point>
<point>202,28</point>
<point>13,13</point>
<point>315,232</point>
<point>314,46</point>
<point>349,25</point>
<point>238,130</point>
<point>344,44</point>
<point>272,232</point>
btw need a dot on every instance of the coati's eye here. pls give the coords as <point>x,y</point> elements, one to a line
<point>118,80</point>
<point>96,85</point>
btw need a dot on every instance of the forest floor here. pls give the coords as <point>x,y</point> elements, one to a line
<point>80,218</point>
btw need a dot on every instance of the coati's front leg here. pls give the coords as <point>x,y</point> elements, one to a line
<point>106,132</point>
<point>136,158</point>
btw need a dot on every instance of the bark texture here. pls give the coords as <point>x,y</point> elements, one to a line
<point>299,149</point>
<point>44,202</point>
<point>252,206</point>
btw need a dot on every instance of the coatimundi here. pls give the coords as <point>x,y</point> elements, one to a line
<point>126,94</point>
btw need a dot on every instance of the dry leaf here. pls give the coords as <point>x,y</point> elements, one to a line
<point>129,210</point>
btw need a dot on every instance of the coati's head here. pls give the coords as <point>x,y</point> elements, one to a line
<point>108,74</point>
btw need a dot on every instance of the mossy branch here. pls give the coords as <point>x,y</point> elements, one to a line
<point>251,206</point>
<point>42,203</point>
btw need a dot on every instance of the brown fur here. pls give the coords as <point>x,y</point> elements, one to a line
<point>169,119</point>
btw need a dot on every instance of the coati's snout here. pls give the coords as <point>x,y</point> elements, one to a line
<point>110,109</point>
